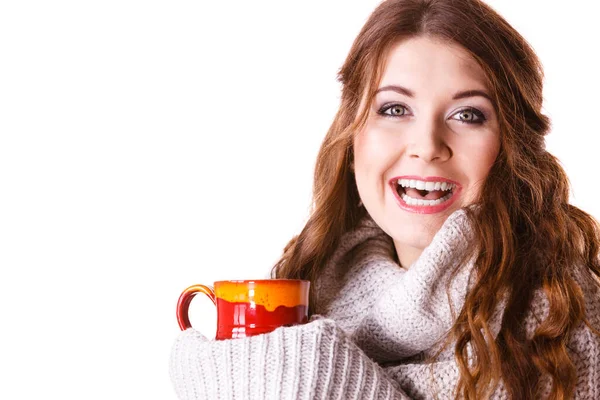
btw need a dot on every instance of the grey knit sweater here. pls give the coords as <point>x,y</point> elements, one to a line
<point>376,322</point>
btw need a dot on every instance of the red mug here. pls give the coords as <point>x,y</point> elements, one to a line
<point>250,307</point>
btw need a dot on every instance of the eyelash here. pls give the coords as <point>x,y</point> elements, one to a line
<point>475,111</point>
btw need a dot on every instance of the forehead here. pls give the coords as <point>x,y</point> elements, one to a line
<point>428,62</point>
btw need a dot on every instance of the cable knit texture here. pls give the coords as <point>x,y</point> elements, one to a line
<point>376,322</point>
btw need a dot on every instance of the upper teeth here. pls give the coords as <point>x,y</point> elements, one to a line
<point>422,185</point>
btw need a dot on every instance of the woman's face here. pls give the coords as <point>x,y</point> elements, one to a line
<point>429,143</point>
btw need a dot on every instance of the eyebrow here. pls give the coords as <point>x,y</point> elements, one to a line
<point>459,95</point>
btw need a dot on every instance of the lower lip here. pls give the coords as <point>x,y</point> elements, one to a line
<point>426,209</point>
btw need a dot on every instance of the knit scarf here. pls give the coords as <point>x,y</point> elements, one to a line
<point>393,313</point>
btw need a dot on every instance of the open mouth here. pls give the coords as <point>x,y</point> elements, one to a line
<point>421,193</point>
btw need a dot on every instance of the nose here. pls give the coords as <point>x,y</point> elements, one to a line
<point>428,144</point>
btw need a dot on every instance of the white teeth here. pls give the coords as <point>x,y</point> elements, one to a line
<point>420,202</point>
<point>422,185</point>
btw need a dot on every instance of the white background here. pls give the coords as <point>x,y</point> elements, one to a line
<point>149,145</point>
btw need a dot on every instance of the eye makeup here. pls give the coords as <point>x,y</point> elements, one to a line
<point>478,117</point>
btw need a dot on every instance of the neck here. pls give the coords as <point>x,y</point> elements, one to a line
<point>406,254</point>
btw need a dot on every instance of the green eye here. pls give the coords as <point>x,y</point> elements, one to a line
<point>470,116</point>
<point>392,110</point>
<point>397,110</point>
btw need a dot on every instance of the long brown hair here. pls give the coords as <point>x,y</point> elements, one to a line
<point>527,234</point>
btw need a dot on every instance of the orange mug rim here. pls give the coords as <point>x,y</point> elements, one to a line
<point>262,280</point>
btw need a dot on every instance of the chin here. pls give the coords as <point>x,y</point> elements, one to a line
<point>416,238</point>
<point>411,229</point>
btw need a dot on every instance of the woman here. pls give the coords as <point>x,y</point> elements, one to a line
<point>445,259</point>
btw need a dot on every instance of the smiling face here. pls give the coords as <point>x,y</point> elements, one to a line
<point>428,145</point>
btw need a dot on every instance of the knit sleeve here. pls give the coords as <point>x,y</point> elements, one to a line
<point>311,361</point>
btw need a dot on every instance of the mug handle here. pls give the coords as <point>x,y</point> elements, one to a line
<point>183,304</point>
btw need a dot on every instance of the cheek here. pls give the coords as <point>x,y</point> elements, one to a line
<point>374,151</point>
<point>368,164</point>
<point>478,161</point>
<point>486,156</point>
<point>364,147</point>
